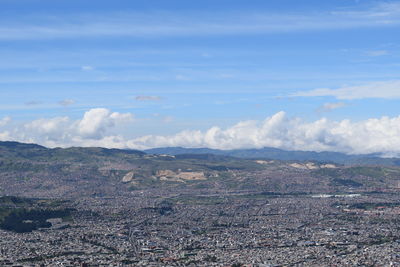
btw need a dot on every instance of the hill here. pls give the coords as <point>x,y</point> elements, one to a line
<point>279,154</point>
<point>34,171</point>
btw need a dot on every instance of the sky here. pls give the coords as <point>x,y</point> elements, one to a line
<point>227,74</point>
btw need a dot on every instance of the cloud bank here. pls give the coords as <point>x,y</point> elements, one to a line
<point>4,121</point>
<point>375,135</point>
<point>91,130</point>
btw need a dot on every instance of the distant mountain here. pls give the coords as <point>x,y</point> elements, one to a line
<point>279,154</point>
<point>35,171</point>
<point>15,150</point>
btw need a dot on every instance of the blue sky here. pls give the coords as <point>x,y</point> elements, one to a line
<point>190,65</point>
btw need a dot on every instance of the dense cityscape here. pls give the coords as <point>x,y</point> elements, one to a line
<point>285,213</point>
<point>240,228</point>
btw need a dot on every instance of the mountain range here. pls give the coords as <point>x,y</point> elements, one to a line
<point>32,170</point>
<point>279,154</point>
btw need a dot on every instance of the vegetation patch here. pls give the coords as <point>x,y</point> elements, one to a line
<point>372,206</point>
<point>346,182</point>
<point>25,215</point>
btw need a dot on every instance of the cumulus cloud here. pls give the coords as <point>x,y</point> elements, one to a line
<point>96,121</point>
<point>375,135</point>
<point>387,90</point>
<point>56,129</point>
<point>48,125</point>
<point>5,136</point>
<point>4,121</point>
<point>148,98</point>
<point>91,129</point>
<point>378,135</point>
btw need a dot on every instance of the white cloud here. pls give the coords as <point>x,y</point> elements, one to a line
<point>33,103</point>
<point>66,102</point>
<point>375,135</point>
<point>387,90</point>
<point>87,68</point>
<point>48,125</point>
<point>5,136</point>
<point>370,136</point>
<point>96,121</point>
<point>377,53</point>
<point>167,119</point>
<point>331,106</point>
<point>4,121</point>
<point>181,77</point>
<point>63,131</point>
<point>56,129</point>
<point>148,98</point>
